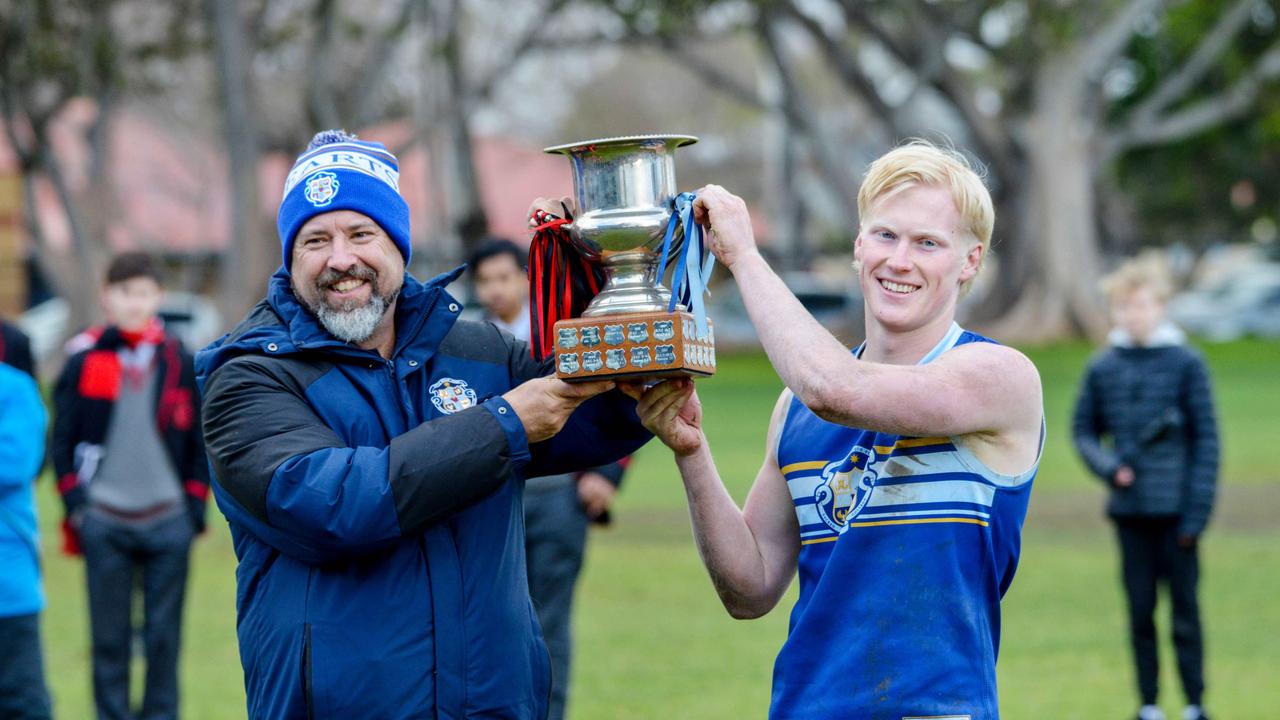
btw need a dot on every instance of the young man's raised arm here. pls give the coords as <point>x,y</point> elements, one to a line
<point>750,553</point>
<point>954,395</point>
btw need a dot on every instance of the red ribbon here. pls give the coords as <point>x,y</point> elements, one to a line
<point>561,281</point>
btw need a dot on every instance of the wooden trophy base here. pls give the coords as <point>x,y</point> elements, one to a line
<point>632,346</point>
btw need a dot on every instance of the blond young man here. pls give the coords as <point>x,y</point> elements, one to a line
<point>1144,424</point>
<point>895,477</point>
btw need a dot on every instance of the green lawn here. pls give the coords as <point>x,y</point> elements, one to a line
<point>652,641</point>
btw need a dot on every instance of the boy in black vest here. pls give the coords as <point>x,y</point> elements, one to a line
<point>131,469</point>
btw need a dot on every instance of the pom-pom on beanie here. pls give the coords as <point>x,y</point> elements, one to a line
<point>339,172</point>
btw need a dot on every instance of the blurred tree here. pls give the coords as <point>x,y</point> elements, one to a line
<point>1222,184</point>
<point>248,258</point>
<point>50,54</point>
<point>1041,92</point>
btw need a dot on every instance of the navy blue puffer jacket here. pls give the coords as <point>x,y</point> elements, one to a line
<point>1151,408</point>
<point>375,507</point>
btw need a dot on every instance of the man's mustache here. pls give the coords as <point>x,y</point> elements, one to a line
<point>358,272</point>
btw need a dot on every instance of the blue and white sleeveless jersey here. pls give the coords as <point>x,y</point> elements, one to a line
<point>907,546</point>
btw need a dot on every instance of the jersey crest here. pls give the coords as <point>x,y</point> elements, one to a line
<point>451,395</point>
<point>845,488</point>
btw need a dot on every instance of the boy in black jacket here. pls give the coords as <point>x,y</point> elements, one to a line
<point>131,469</point>
<point>1144,424</point>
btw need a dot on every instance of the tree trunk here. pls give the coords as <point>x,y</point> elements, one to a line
<point>1056,261</point>
<point>465,209</point>
<point>249,258</point>
<point>785,207</point>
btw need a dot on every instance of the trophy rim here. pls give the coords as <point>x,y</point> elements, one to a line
<point>618,140</point>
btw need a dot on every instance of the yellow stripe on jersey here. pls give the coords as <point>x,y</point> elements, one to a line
<point>877,523</point>
<point>921,442</point>
<point>880,450</point>
<point>809,465</point>
<point>918,521</point>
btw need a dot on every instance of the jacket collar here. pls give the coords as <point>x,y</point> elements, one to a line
<point>1165,335</point>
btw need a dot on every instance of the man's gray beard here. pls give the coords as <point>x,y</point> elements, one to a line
<point>352,325</point>
<point>349,322</point>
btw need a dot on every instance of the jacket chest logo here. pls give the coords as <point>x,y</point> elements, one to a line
<point>451,395</point>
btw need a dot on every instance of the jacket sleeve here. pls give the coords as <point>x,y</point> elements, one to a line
<point>22,427</point>
<point>612,472</point>
<point>195,464</point>
<point>63,441</point>
<point>1202,460</point>
<point>601,431</point>
<point>288,478</point>
<point>1087,430</point>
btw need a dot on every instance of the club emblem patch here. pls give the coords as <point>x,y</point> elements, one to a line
<point>845,489</point>
<point>322,188</point>
<point>450,395</point>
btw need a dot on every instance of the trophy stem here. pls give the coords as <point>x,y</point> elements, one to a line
<point>631,286</point>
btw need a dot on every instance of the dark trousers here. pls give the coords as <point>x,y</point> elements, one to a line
<point>1150,555</point>
<point>555,536</point>
<point>116,557</point>
<point>23,695</point>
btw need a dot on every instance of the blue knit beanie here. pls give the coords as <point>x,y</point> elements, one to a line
<point>339,172</point>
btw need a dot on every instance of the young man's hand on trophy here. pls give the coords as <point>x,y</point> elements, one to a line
<point>725,216</point>
<point>671,411</point>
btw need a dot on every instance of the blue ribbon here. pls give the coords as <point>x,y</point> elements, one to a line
<point>692,268</point>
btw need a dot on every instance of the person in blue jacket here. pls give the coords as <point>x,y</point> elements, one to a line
<point>369,450</point>
<point>23,693</point>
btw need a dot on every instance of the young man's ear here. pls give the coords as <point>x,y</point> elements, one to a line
<point>972,261</point>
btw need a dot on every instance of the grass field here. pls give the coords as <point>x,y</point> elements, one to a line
<point>653,642</point>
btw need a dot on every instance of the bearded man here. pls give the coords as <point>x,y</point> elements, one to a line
<point>369,450</point>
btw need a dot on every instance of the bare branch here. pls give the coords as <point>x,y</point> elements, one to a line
<point>968,25</point>
<point>529,39</point>
<point>360,107</point>
<point>993,141</point>
<point>1210,48</point>
<point>713,76</point>
<point>321,108</point>
<point>1203,114</point>
<point>792,103</point>
<point>1106,43</point>
<point>846,66</point>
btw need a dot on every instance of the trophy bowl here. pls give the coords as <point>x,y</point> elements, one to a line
<point>624,188</point>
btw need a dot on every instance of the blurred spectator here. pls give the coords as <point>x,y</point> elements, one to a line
<point>132,473</point>
<point>1144,424</point>
<point>22,425</point>
<point>557,508</point>
<point>15,349</point>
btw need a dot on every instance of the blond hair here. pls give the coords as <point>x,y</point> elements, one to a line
<point>1145,271</point>
<point>920,162</point>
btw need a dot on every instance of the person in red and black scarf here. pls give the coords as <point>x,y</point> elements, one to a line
<point>131,469</point>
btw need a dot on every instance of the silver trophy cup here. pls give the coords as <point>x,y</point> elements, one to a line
<point>624,188</point>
